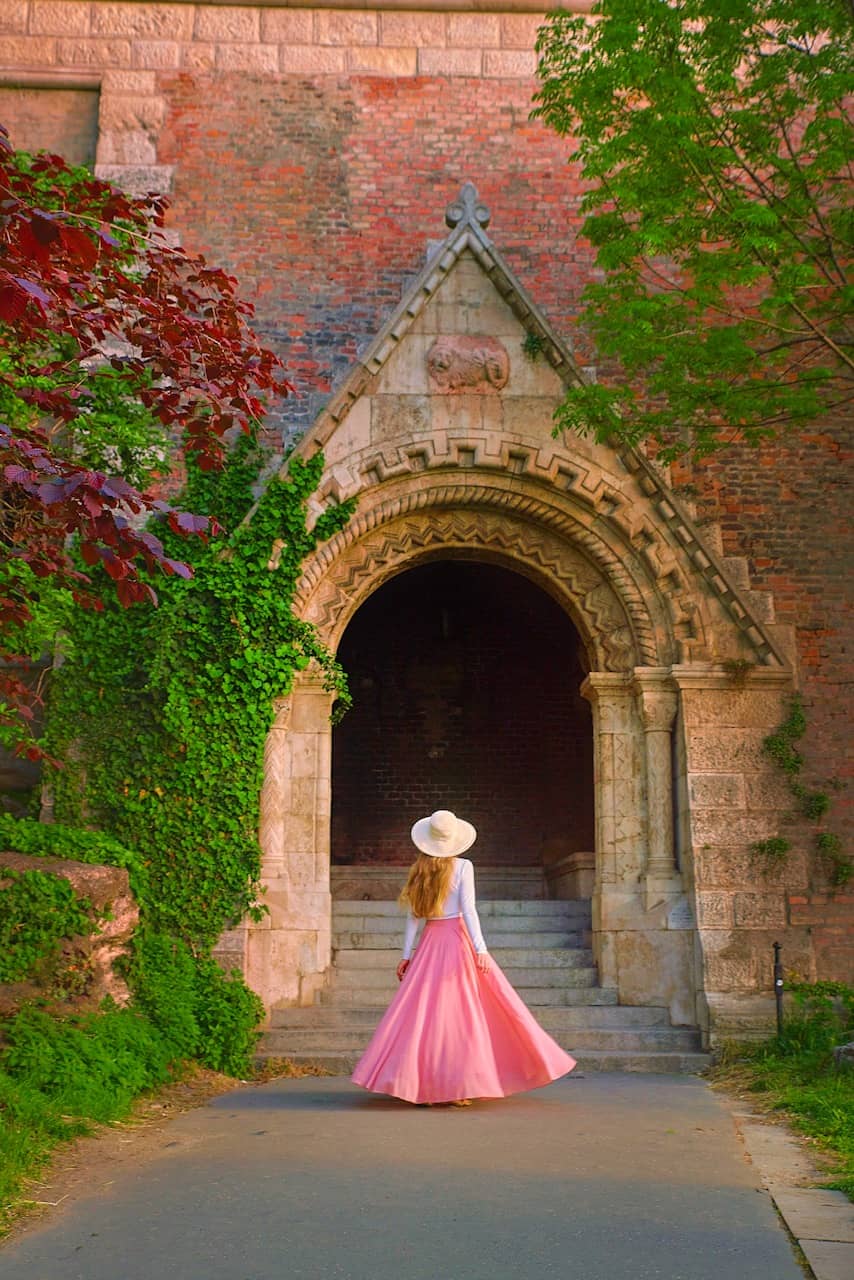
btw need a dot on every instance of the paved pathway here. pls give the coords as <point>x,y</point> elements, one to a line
<point>601,1178</point>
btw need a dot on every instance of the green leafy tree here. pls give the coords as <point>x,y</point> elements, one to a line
<point>716,143</point>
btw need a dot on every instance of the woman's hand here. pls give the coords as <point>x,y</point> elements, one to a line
<point>482,959</point>
<point>401,969</point>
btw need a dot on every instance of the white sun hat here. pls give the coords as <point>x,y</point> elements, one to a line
<point>443,834</point>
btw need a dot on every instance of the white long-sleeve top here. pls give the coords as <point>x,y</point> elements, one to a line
<point>459,902</point>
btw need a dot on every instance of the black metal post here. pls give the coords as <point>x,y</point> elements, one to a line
<point>778,987</point>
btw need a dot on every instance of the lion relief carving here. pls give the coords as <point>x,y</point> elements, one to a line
<point>468,366</point>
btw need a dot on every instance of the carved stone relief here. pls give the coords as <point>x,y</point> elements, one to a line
<point>460,365</point>
<point>620,614</point>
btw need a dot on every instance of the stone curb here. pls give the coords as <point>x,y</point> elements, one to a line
<point>820,1220</point>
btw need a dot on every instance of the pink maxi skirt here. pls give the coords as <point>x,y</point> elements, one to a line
<point>452,1032</point>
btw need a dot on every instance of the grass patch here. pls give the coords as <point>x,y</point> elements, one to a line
<point>59,1076</point>
<point>794,1073</point>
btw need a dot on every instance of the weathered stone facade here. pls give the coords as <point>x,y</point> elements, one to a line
<point>313,151</point>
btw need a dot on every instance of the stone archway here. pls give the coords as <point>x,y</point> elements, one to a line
<point>633,702</point>
<point>467,466</point>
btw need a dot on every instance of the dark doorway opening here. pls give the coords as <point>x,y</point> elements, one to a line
<point>465,679</point>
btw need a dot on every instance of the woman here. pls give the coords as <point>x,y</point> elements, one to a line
<point>456,1029</point>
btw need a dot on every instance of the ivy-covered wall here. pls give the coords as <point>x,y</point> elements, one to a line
<point>160,715</point>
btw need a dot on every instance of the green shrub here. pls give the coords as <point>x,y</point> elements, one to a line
<point>162,975</point>
<point>228,1014</point>
<point>90,1066</point>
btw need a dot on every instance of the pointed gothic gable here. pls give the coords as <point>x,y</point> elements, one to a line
<point>464,378</point>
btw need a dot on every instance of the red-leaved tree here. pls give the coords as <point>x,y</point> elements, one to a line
<point>89,282</point>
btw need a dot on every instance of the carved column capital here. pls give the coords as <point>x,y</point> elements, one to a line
<point>610,695</point>
<point>657,697</point>
<point>281,714</point>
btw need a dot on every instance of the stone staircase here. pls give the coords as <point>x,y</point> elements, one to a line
<point>541,944</point>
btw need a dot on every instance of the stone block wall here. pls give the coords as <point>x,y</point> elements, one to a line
<point>61,120</point>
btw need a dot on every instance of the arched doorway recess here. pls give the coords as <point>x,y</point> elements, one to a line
<point>633,708</point>
<point>466,684</point>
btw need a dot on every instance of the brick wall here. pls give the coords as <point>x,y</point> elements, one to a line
<point>786,507</point>
<point>465,681</point>
<point>330,189</point>
<point>828,918</point>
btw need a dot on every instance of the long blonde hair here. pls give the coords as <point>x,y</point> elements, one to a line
<point>427,885</point>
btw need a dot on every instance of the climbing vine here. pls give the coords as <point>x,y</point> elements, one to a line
<point>161,715</point>
<point>812,803</point>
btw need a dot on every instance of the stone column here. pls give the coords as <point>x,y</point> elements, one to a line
<point>619,824</point>
<point>737,797</point>
<point>274,791</point>
<point>289,951</point>
<point>657,702</point>
<point>645,952</point>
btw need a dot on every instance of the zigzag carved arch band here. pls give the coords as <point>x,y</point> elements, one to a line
<point>541,543</point>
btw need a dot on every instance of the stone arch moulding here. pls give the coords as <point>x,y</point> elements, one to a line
<point>466,522</point>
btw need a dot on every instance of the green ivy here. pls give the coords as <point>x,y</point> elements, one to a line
<point>533,345</point>
<point>37,911</point>
<point>162,715</point>
<point>774,849</point>
<point>76,844</point>
<point>812,804</point>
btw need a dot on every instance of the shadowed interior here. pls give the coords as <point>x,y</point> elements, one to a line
<point>465,680</point>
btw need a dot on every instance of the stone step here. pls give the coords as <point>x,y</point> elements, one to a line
<point>310,1040</point>
<point>662,1062</point>
<point>392,938</point>
<point>575,975</point>
<point>584,992</point>
<point>522,907</point>
<point>328,1018</point>
<point>507,957</point>
<point>385,882</point>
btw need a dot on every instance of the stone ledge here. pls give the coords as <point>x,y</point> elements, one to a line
<point>114,907</point>
<point>419,6</point>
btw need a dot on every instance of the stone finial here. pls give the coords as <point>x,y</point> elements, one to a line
<point>467,208</point>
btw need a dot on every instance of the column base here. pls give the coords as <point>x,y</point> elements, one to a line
<point>659,887</point>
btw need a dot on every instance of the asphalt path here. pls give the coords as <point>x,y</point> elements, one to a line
<point>603,1177</point>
